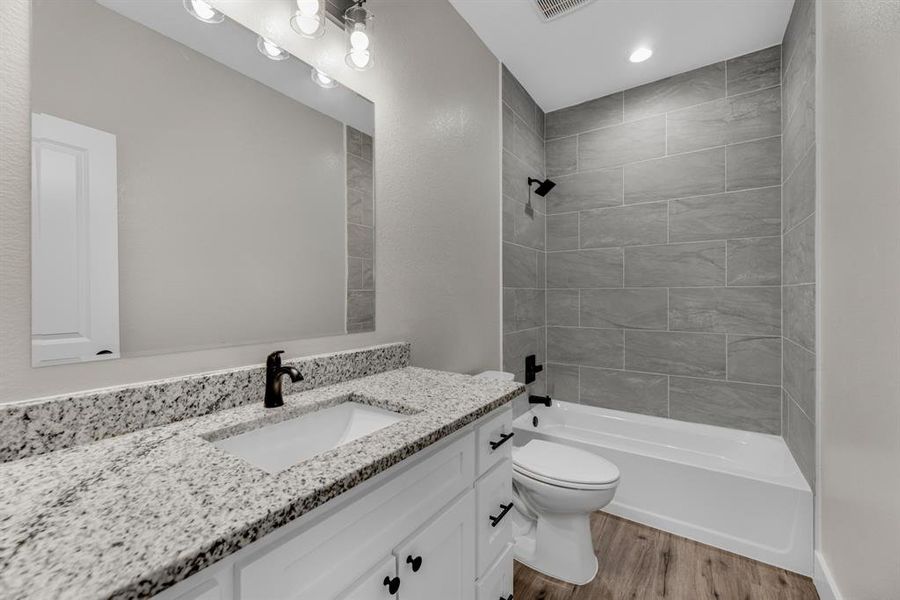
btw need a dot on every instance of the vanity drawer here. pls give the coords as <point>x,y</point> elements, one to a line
<point>497,583</point>
<point>496,429</point>
<point>493,517</point>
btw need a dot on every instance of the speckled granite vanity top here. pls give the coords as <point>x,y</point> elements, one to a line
<point>131,515</point>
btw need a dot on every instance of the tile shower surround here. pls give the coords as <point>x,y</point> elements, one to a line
<point>48,424</point>
<point>799,237</point>
<point>663,247</point>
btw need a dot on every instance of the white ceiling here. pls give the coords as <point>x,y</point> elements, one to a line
<point>584,54</point>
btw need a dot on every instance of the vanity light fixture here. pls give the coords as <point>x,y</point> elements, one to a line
<point>358,25</point>
<point>322,79</point>
<point>202,11</point>
<point>309,18</point>
<point>270,50</point>
<point>640,55</point>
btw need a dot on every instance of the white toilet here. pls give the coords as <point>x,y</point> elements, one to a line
<point>556,488</point>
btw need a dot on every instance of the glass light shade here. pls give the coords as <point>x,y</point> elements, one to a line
<point>309,18</point>
<point>270,50</point>
<point>322,79</point>
<point>202,11</point>
<point>359,27</point>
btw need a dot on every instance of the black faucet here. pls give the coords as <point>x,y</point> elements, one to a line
<point>274,371</point>
<point>545,400</point>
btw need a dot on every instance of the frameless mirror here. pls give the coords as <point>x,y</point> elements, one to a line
<point>192,186</point>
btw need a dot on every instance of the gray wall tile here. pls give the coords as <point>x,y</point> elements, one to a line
<point>739,405</point>
<point>519,266</point>
<point>799,253</point>
<point>625,390</point>
<point>731,120</point>
<point>542,269</point>
<point>800,314</point>
<point>748,310</point>
<point>520,101</point>
<point>562,382</point>
<point>754,71</point>
<point>354,273</point>
<point>359,144</point>
<point>800,26</point>
<point>701,263</point>
<point>642,308</point>
<point>506,126</point>
<point>800,129</point>
<point>518,345</point>
<point>585,268</point>
<point>360,241</point>
<point>801,439</point>
<point>530,308</point>
<point>590,347</point>
<point>754,359</point>
<point>754,261</point>
<point>589,189</point>
<point>592,114</point>
<point>515,177</point>
<point>528,145</point>
<point>692,354</point>
<point>562,307</point>
<point>800,70</point>
<point>530,226</point>
<point>360,207</point>
<point>799,372</point>
<point>509,310</point>
<point>620,144</point>
<point>749,213</point>
<point>359,173</point>
<point>799,191</point>
<point>753,164</point>
<point>510,206</point>
<point>678,91</point>
<point>676,176</point>
<point>360,311</point>
<point>624,225</point>
<point>562,231</point>
<point>561,156</point>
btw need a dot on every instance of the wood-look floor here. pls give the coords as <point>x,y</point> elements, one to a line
<point>641,563</point>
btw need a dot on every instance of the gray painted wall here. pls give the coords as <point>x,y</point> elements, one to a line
<point>798,169</point>
<point>437,114</point>
<point>858,424</point>
<point>524,232</point>
<point>663,247</point>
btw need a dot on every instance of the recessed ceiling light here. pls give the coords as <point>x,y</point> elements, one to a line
<point>640,55</point>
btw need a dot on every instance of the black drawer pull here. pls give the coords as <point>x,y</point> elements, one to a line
<point>496,520</point>
<point>415,562</point>
<point>392,584</point>
<point>503,439</point>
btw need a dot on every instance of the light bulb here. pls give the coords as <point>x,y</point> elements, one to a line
<point>202,11</point>
<point>306,24</point>
<point>308,7</point>
<point>270,50</point>
<point>359,58</point>
<point>359,40</point>
<point>640,55</point>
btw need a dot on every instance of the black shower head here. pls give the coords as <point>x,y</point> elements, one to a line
<point>543,186</point>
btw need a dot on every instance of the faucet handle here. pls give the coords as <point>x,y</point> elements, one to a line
<point>273,361</point>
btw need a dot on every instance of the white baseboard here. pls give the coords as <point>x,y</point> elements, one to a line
<point>824,581</point>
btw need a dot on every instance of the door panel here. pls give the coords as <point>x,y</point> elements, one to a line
<point>371,586</point>
<point>447,568</point>
<point>74,243</point>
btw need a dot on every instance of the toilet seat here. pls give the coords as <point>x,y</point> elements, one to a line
<point>564,466</point>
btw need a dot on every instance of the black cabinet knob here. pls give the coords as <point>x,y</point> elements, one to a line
<point>415,562</point>
<point>507,598</point>
<point>392,584</point>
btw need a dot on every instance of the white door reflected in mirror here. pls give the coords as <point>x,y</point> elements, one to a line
<point>74,243</point>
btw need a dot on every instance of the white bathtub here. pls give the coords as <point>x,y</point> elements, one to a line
<point>735,490</point>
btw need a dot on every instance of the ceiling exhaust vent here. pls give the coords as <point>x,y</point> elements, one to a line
<point>553,9</point>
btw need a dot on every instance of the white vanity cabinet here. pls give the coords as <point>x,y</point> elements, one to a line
<point>433,526</point>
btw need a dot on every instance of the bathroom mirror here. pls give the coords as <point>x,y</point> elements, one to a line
<point>192,186</point>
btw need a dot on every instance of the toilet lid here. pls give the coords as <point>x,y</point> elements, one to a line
<point>550,461</point>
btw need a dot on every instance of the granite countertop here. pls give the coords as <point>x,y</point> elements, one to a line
<point>129,516</point>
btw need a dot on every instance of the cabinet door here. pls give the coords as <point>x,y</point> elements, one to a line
<point>447,567</point>
<point>372,586</point>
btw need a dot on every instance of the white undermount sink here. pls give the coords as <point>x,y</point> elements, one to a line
<point>274,448</point>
